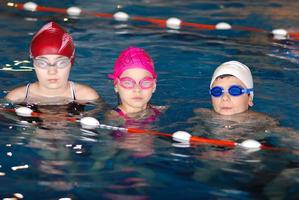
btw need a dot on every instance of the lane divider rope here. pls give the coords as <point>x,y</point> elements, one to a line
<point>91,123</point>
<point>172,23</point>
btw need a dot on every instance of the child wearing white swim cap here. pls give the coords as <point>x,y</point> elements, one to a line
<point>231,88</point>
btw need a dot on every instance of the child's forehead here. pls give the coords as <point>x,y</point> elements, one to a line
<point>136,72</point>
<point>50,57</point>
<point>227,80</point>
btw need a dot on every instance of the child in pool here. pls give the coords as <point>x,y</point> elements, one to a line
<point>53,53</point>
<point>134,82</point>
<point>231,88</point>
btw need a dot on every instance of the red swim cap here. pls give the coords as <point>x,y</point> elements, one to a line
<point>52,39</point>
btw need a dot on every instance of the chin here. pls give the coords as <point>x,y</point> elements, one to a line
<point>139,107</point>
<point>138,104</point>
<point>54,86</point>
<point>226,112</point>
<point>232,112</point>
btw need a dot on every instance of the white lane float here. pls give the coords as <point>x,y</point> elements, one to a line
<point>121,16</point>
<point>74,11</point>
<point>173,23</point>
<point>280,34</point>
<point>89,123</point>
<point>24,112</point>
<point>30,6</point>
<point>223,26</point>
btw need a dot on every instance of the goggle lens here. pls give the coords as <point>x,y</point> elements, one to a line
<point>216,91</point>
<point>235,91</point>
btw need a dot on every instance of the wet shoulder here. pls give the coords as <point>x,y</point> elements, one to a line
<point>204,112</point>
<point>17,94</point>
<point>85,93</point>
<point>262,118</point>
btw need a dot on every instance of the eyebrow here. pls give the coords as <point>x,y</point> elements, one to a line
<point>44,58</point>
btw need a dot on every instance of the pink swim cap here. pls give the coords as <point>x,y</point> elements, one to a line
<point>52,39</point>
<point>133,57</point>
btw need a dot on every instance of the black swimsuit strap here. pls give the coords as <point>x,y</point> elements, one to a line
<point>27,92</point>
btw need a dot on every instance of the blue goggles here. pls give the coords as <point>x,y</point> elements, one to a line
<point>233,90</point>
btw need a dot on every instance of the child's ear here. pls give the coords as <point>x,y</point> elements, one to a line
<point>154,87</point>
<point>250,101</point>
<point>115,89</point>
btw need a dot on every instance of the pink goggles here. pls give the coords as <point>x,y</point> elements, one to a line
<point>129,83</point>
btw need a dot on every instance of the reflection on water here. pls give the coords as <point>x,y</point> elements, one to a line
<point>237,127</point>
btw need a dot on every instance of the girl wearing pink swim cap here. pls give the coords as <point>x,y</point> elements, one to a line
<point>134,81</point>
<point>53,53</point>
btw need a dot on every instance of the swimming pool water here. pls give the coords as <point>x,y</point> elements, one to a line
<point>65,161</point>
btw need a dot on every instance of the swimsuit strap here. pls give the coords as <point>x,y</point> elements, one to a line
<point>156,110</point>
<point>121,113</point>
<point>154,115</point>
<point>26,92</point>
<point>73,92</point>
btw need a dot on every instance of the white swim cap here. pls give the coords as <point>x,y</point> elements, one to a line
<point>236,69</point>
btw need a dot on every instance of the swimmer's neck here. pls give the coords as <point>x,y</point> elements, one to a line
<point>63,91</point>
<point>129,109</point>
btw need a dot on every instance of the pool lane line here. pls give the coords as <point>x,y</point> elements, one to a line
<point>173,22</point>
<point>180,136</point>
<point>202,140</point>
<point>90,123</point>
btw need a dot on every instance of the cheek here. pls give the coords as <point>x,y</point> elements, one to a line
<point>241,102</point>
<point>215,101</point>
<point>40,74</point>
<point>148,93</point>
<point>64,73</point>
<point>123,93</point>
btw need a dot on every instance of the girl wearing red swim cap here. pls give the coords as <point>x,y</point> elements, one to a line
<point>52,51</point>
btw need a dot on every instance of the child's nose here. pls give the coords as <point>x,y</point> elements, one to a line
<point>52,70</point>
<point>137,88</point>
<point>225,97</point>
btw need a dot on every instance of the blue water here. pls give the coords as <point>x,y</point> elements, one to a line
<point>67,162</point>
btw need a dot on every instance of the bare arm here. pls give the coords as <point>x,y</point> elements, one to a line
<point>17,94</point>
<point>85,93</point>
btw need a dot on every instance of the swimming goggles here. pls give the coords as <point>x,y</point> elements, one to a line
<point>43,64</point>
<point>129,83</point>
<point>233,90</point>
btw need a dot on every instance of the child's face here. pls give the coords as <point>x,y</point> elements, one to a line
<point>135,97</point>
<point>227,104</point>
<point>52,71</point>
